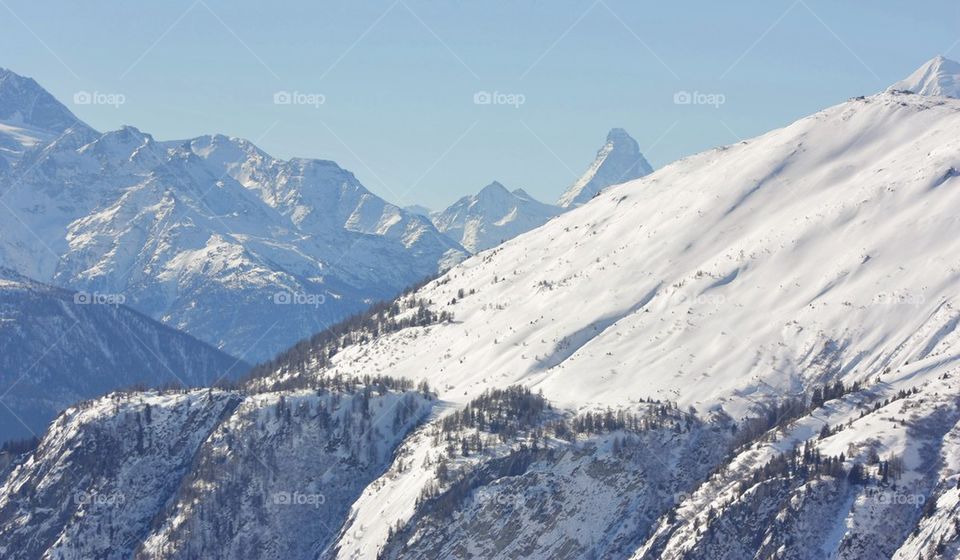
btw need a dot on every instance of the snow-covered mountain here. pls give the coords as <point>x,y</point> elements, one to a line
<point>495,214</point>
<point>319,197</point>
<point>492,216</point>
<point>29,116</point>
<point>938,77</point>
<point>60,347</point>
<point>211,236</point>
<point>418,209</point>
<point>205,474</point>
<point>618,161</point>
<point>750,353</point>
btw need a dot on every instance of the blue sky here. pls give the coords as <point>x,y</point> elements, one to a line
<point>398,78</point>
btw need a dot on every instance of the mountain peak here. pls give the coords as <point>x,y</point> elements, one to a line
<point>418,209</point>
<point>494,188</point>
<point>23,102</point>
<point>126,135</point>
<point>618,161</point>
<point>492,216</point>
<point>619,135</point>
<point>939,76</point>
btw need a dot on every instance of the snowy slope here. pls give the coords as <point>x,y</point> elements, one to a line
<point>664,346</point>
<point>144,445</point>
<point>653,288</point>
<point>492,216</point>
<point>618,161</point>
<point>839,227</point>
<point>61,346</point>
<point>211,236</point>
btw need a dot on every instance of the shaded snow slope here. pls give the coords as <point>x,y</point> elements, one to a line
<point>60,347</point>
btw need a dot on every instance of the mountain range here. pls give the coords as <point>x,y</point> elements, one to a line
<point>495,214</point>
<point>183,230</point>
<point>211,235</point>
<point>750,353</point>
<point>492,216</point>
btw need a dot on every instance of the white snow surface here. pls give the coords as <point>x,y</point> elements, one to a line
<point>841,227</point>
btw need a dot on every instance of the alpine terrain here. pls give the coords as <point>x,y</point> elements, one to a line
<point>61,347</point>
<point>618,161</point>
<point>752,352</point>
<point>492,216</point>
<point>495,214</point>
<point>210,235</point>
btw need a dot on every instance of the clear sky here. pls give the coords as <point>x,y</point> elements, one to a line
<point>398,78</point>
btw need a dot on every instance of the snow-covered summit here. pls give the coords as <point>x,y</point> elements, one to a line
<point>492,216</point>
<point>938,77</point>
<point>418,209</point>
<point>29,117</point>
<point>618,161</point>
<point>23,102</point>
<point>495,214</point>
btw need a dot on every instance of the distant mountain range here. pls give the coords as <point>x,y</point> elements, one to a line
<point>495,214</point>
<point>210,235</point>
<point>492,216</point>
